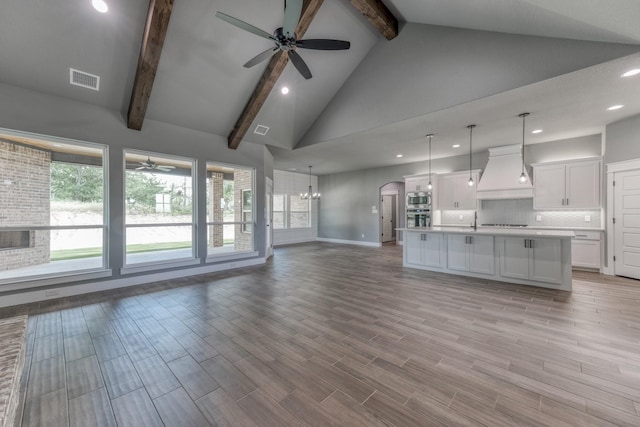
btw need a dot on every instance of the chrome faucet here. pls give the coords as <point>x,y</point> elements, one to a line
<point>475,221</point>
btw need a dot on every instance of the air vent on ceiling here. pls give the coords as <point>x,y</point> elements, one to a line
<point>261,130</point>
<point>80,78</point>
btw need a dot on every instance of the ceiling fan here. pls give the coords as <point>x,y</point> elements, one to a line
<point>285,38</point>
<point>151,165</point>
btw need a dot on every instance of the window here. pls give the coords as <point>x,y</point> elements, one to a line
<point>51,207</point>
<point>230,208</point>
<point>279,211</point>
<point>247,211</point>
<point>159,215</point>
<point>299,212</point>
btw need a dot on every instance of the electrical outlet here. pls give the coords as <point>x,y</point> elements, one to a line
<point>587,218</point>
<point>538,218</point>
<point>363,235</point>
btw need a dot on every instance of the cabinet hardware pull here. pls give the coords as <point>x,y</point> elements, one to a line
<point>525,243</point>
<point>567,202</point>
<point>531,244</point>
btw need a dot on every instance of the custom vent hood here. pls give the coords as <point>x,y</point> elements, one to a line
<point>501,176</point>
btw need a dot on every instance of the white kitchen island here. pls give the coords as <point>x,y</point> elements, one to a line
<point>526,257</point>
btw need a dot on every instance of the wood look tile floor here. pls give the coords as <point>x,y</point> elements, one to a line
<point>336,335</point>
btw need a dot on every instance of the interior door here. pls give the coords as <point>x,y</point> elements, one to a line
<point>387,218</point>
<point>268,218</point>
<point>627,224</point>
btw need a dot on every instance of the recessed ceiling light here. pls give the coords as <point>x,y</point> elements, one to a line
<point>57,145</point>
<point>615,107</point>
<point>100,6</point>
<point>398,155</point>
<point>284,90</point>
<point>456,146</point>
<point>631,72</point>
<point>537,131</point>
<point>293,169</point>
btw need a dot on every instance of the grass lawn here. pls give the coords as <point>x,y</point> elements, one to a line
<point>66,254</point>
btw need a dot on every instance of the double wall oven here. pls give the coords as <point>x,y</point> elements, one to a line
<point>418,209</point>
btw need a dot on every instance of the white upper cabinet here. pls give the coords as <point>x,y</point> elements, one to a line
<point>454,191</point>
<point>417,183</point>
<point>567,185</point>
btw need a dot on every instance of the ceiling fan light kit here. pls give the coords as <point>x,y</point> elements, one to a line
<point>285,38</point>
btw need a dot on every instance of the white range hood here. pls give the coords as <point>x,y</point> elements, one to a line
<point>501,176</point>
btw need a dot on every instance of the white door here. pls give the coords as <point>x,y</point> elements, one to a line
<point>627,224</point>
<point>268,218</point>
<point>387,218</point>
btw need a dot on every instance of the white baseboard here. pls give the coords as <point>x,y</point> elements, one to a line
<point>123,282</point>
<point>350,242</point>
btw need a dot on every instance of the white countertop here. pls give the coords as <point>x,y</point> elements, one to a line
<point>532,227</point>
<point>495,231</point>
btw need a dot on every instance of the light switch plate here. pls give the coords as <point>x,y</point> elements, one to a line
<point>538,218</point>
<point>587,218</point>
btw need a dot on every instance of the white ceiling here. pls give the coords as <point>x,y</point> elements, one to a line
<point>202,85</point>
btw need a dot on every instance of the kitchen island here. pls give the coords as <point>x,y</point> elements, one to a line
<point>527,257</point>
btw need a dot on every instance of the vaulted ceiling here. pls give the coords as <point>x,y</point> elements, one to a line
<point>559,60</point>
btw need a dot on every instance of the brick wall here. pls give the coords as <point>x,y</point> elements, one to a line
<point>242,180</point>
<point>25,188</point>
<point>216,238</point>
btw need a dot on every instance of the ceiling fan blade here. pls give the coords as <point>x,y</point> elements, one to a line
<point>323,44</point>
<point>141,168</point>
<point>245,26</point>
<point>292,12</point>
<point>260,57</point>
<point>165,168</point>
<point>300,65</point>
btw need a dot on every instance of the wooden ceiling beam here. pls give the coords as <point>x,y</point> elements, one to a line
<point>379,15</point>
<point>154,34</point>
<point>270,77</point>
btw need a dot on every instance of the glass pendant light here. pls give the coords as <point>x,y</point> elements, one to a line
<point>309,194</point>
<point>523,176</point>
<point>471,183</point>
<point>429,185</point>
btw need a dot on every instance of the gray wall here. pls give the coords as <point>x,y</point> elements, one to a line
<point>35,112</point>
<point>429,68</point>
<point>623,140</point>
<point>347,198</point>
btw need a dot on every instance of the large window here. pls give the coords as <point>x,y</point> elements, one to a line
<point>158,208</point>
<point>290,211</point>
<point>52,207</point>
<point>230,209</point>
<point>279,211</point>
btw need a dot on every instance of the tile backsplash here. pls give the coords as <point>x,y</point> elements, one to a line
<point>520,211</point>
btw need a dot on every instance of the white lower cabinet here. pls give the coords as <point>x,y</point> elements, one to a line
<point>531,259</point>
<point>424,249</point>
<point>470,253</point>
<point>586,249</point>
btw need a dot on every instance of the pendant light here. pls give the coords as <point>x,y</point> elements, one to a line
<point>429,185</point>
<point>471,183</point>
<point>523,176</point>
<point>310,194</point>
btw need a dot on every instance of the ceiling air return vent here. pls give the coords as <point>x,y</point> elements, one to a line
<point>82,79</point>
<point>261,130</point>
